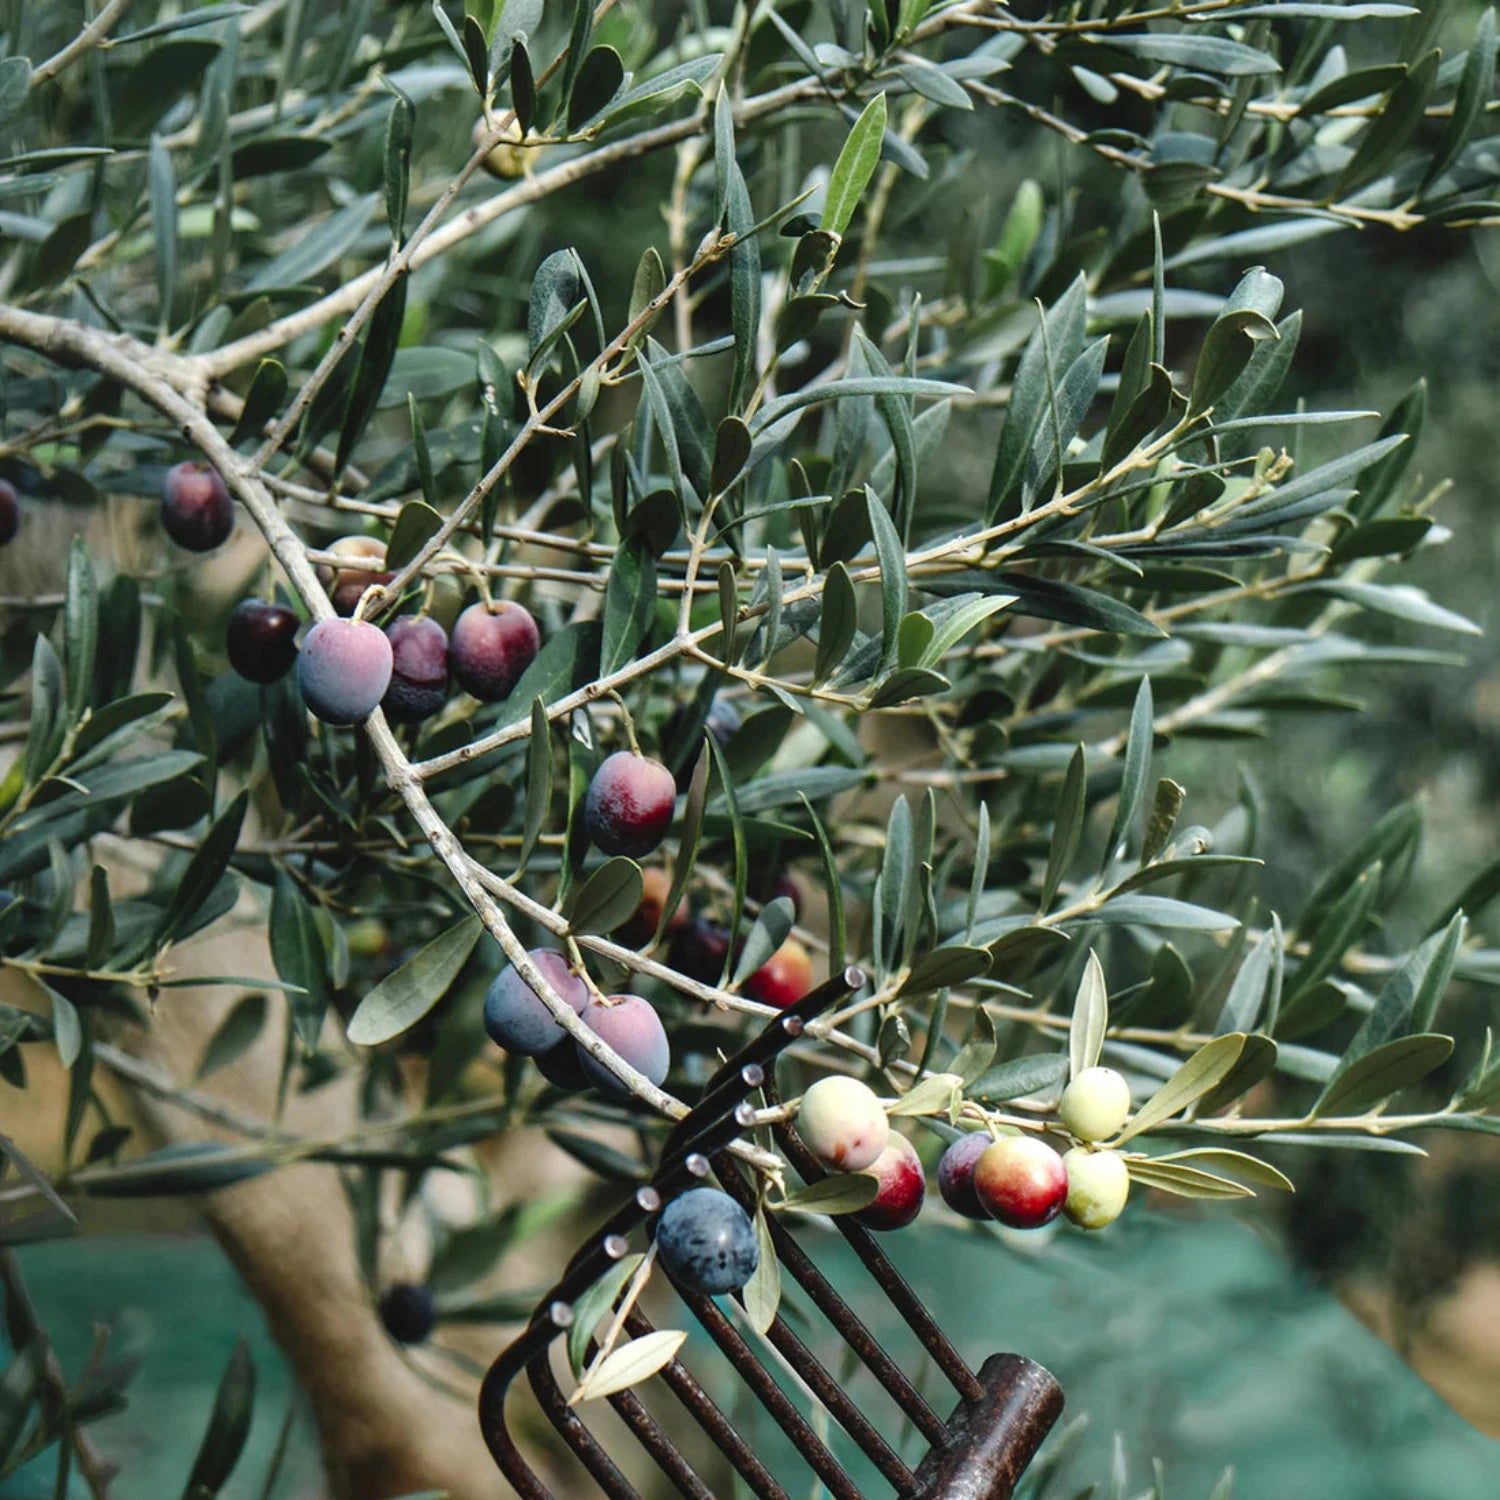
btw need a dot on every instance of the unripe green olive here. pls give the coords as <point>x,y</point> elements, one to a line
<point>506,160</point>
<point>1095,1105</point>
<point>1098,1185</point>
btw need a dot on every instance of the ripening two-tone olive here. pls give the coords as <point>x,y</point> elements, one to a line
<point>629,804</point>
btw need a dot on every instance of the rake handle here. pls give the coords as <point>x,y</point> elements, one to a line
<point>992,1439</point>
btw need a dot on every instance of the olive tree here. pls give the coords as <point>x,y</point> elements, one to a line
<point>879,412</point>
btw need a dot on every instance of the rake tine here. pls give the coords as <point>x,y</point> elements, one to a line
<point>838,1312</point>
<point>667,1458</point>
<point>892,1283</point>
<point>717,1101</point>
<point>545,1325</point>
<point>715,1134</point>
<point>840,1405</point>
<point>789,1026</point>
<point>770,1395</point>
<point>705,1412</point>
<point>573,1431</point>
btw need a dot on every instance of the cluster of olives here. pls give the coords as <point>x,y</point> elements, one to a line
<point>517,1020</point>
<point>349,667</point>
<point>699,945</point>
<point>1019,1180</point>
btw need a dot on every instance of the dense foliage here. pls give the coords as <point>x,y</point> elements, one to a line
<point>718,442</point>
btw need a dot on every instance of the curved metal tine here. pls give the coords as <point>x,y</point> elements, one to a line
<point>571,1428</point>
<point>546,1323</point>
<point>892,1283</point>
<point>788,1027</point>
<point>841,1406</point>
<point>586,1263</point>
<point>705,1412</point>
<point>770,1395</point>
<point>609,1243</point>
<point>712,1136</point>
<point>845,1321</point>
<point>668,1459</point>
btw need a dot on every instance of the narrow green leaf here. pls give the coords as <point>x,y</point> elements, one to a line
<point>421,450</point>
<point>1067,828</point>
<point>631,1363</point>
<point>374,367</point>
<point>630,598</point>
<point>404,996</point>
<point>297,952</point>
<point>540,769</point>
<point>1162,911</point>
<point>594,1304</point>
<point>1200,54</point>
<point>1090,1018</point>
<point>263,400</point>
<point>80,627</point>
<point>228,1427</point>
<point>162,181</point>
<point>767,933</point>
<point>476,54</point>
<point>1237,1163</point>
<point>834,887</point>
<point>1183,1181</point>
<point>600,75</point>
<point>101,938</point>
<point>398,164</point>
<point>67,1031</point>
<point>234,1035</point>
<point>1137,767</point>
<point>416,524</point>
<point>837,623</point>
<point>952,964</point>
<point>891,554</point>
<point>1242,1005</point>
<point>845,1193</point>
<point>854,167</point>
<point>206,868</point>
<point>522,85</point>
<point>1203,1071</point>
<point>1382,1072</point>
<point>762,1294</point>
<point>729,613</point>
<point>610,896</point>
<point>1020,1077</point>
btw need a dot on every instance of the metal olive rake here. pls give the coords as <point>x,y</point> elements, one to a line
<point>978,1453</point>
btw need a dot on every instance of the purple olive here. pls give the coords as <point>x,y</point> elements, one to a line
<point>632,1027</point>
<point>344,670</point>
<point>261,640</point>
<point>196,511</point>
<point>514,1014</point>
<point>491,646</point>
<point>419,669</point>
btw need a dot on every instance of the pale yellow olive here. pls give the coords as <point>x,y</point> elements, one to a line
<point>1098,1185</point>
<point>507,160</point>
<point>1095,1105</point>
